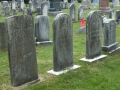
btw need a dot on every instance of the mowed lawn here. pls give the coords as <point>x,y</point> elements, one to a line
<point>100,75</point>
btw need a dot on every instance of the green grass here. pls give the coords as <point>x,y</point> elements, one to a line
<point>100,75</point>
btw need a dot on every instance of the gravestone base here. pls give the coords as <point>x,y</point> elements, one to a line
<point>81,30</point>
<point>111,48</point>
<point>63,71</point>
<point>54,13</point>
<point>94,59</point>
<point>44,43</point>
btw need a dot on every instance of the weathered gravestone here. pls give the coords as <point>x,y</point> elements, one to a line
<point>80,12</point>
<point>38,11</point>
<point>86,4</point>
<point>115,3</point>
<point>42,30</point>
<point>110,45</point>
<point>95,2</point>
<point>66,5</point>
<point>104,5</point>
<point>55,7</point>
<point>22,52</point>
<point>22,5</point>
<point>117,16</point>
<point>62,44</point>
<point>111,11</point>
<point>29,11</point>
<point>14,7</point>
<point>93,37</point>
<point>6,11</point>
<point>4,36</point>
<point>44,8</point>
<point>31,6</point>
<point>73,11</point>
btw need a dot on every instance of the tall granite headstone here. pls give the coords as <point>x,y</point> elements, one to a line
<point>22,52</point>
<point>73,11</point>
<point>104,5</point>
<point>4,36</point>
<point>42,30</point>
<point>110,44</point>
<point>93,37</point>
<point>80,12</point>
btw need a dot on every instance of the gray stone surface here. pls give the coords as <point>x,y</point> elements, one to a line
<point>115,2</point>
<point>73,11</point>
<point>95,2</point>
<point>29,11</point>
<point>62,42</point>
<point>22,5</point>
<point>80,12</point>
<point>93,35</point>
<point>6,11</point>
<point>86,4</point>
<point>55,5</point>
<point>22,52</point>
<point>38,11</point>
<point>44,8</point>
<point>111,11</point>
<point>42,30</point>
<point>110,44</point>
<point>118,16</point>
<point>81,30</point>
<point>4,36</point>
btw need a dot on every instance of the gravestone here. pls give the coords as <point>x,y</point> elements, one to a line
<point>5,4</point>
<point>62,44</point>
<point>115,3</point>
<point>44,8</point>
<point>62,4</point>
<point>42,30</point>
<point>22,52</point>
<point>14,7</point>
<point>95,2</point>
<point>22,5</point>
<point>110,45</point>
<point>93,37</point>
<point>31,6</point>
<point>6,11</point>
<point>38,11</point>
<point>29,11</point>
<point>66,5</point>
<point>117,16</point>
<point>104,5</point>
<point>73,11</point>
<point>4,36</point>
<point>80,12</point>
<point>86,4</point>
<point>55,7</point>
<point>111,11</point>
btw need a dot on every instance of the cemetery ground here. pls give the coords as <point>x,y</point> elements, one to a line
<point>100,75</point>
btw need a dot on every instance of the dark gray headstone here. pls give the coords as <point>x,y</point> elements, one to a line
<point>55,5</point>
<point>117,16</point>
<point>22,52</point>
<point>110,44</point>
<point>29,11</point>
<point>80,12</point>
<point>38,11</point>
<point>93,35</point>
<point>42,30</point>
<point>73,11</point>
<point>63,42</point>
<point>4,36</point>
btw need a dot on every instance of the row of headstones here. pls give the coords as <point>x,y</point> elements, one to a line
<point>21,46</point>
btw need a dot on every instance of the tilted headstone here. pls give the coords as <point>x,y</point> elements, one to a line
<point>4,36</point>
<point>22,52</point>
<point>42,30</point>
<point>80,12</point>
<point>115,2</point>
<point>117,16</point>
<point>6,11</point>
<point>62,43</point>
<point>93,37</point>
<point>104,5</point>
<point>73,11</point>
<point>44,8</point>
<point>110,45</point>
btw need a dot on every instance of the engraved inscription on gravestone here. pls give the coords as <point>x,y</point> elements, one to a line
<point>22,52</point>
